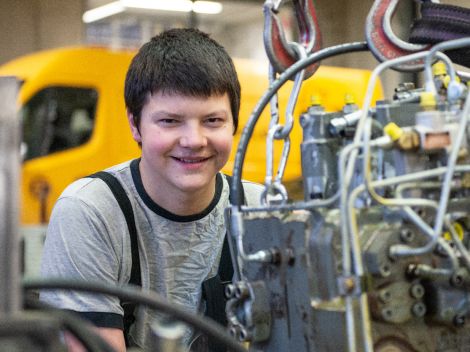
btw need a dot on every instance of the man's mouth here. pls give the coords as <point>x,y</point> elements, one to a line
<point>190,160</point>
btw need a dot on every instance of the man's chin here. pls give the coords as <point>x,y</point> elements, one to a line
<point>195,183</point>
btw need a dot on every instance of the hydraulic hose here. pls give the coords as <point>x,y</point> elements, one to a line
<point>148,299</point>
<point>77,326</point>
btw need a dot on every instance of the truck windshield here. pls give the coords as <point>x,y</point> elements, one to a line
<point>57,119</point>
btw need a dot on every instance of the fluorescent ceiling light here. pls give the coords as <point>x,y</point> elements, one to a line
<point>104,11</point>
<point>208,7</point>
<point>113,8</point>
<point>164,5</point>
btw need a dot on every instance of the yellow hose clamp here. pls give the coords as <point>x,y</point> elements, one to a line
<point>349,99</point>
<point>439,68</point>
<point>458,229</point>
<point>447,80</point>
<point>393,131</point>
<point>427,99</point>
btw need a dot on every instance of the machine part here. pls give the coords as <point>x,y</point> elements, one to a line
<point>265,99</point>
<point>451,44</point>
<point>406,235</point>
<point>383,43</point>
<point>282,54</point>
<point>284,286</point>
<point>390,237</point>
<point>324,247</point>
<point>319,151</point>
<point>448,306</point>
<point>252,316</point>
<point>167,335</point>
<point>10,161</point>
<point>433,132</point>
<point>439,221</point>
<point>395,305</point>
<point>338,125</point>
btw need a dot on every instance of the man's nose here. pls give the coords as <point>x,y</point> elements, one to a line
<point>193,137</point>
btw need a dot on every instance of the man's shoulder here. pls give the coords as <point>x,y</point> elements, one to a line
<point>252,187</point>
<point>121,168</point>
<point>92,190</point>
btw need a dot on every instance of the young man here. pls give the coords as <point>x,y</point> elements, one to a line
<point>182,96</point>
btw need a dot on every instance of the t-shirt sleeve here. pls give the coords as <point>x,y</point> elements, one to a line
<point>253,193</point>
<point>81,244</point>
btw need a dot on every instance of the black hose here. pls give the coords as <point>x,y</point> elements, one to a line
<point>148,299</point>
<point>77,326</point>
<point>273,88</point>
<point>30,332</point>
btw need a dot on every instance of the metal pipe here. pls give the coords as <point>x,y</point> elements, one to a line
<point>446,186</point>
<point>9,165</point>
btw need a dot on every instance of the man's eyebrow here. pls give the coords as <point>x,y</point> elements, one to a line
<point>218,112</point>
<point>164,113</point>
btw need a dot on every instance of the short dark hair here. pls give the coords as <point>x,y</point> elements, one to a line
<point>183,61</point>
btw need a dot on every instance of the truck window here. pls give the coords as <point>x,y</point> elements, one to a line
<point>58,118</point>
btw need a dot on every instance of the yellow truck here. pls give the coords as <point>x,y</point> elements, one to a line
<point>74,120</point>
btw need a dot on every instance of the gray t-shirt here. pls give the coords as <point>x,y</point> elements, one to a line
<point>88,238</point>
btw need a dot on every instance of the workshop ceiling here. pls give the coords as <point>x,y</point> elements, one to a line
<point>233,13</point>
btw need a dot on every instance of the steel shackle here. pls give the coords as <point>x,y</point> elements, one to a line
<point>383,42</point>
<point>280,52</point>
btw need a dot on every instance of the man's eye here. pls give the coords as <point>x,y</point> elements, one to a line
<point>168,121</point>
<point>215,120</point>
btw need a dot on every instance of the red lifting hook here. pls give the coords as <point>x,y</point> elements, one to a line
<point>383,43</point>
<point>279,51</point>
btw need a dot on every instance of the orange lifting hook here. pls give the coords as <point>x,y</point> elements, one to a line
<point>280,53</point>
<point>382,42</point>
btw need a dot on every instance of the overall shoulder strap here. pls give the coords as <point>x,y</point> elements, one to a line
<point>126,207</point>
<point>125,204</point>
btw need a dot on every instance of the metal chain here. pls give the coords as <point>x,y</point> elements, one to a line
<point>275,188</point>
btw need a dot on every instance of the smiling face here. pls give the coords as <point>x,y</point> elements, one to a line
<point>185,142</point>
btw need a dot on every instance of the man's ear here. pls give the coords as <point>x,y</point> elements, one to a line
<point>134,129</point>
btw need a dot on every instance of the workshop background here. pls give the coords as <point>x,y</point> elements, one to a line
<point>32,25</point>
